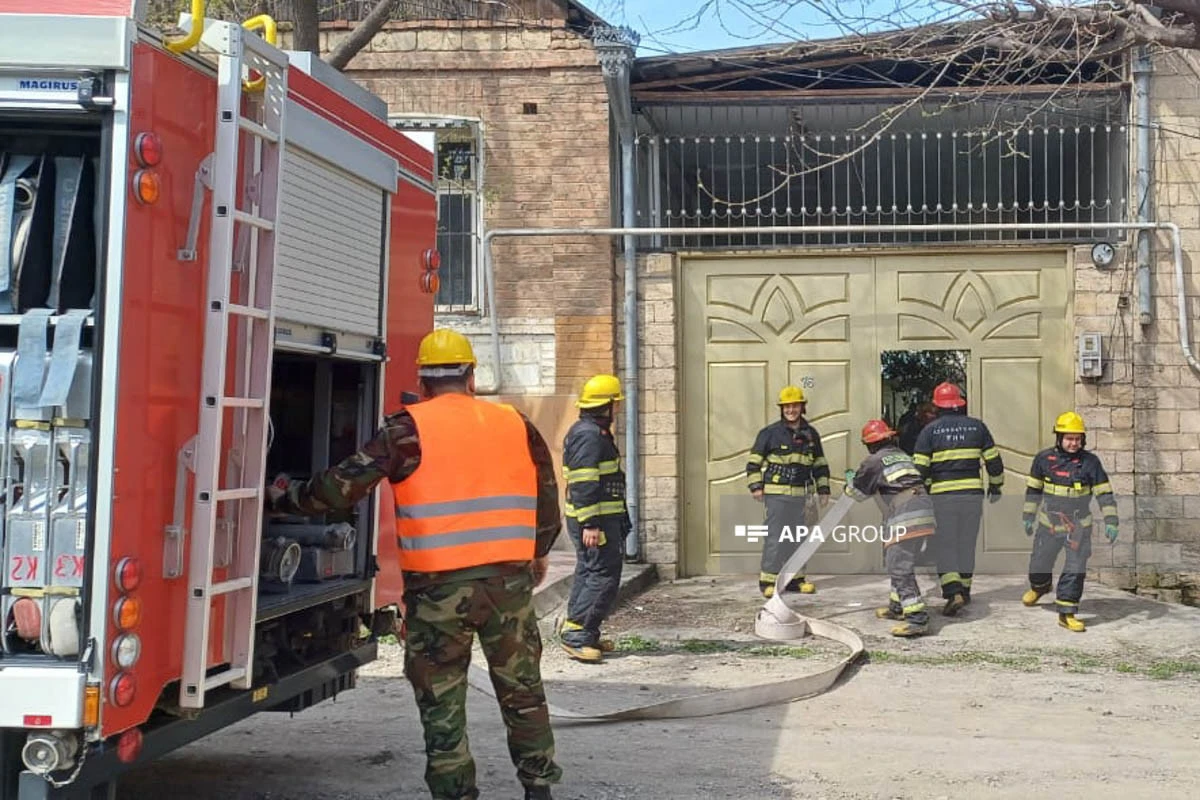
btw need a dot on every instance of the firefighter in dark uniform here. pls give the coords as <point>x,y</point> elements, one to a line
<point>1058,496</point>
<point>889,475</point>
<point>786,468</point>
<point>948,453</point>
<point>597,519</point>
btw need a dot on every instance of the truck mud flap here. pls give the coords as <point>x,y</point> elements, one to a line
<point>775,622</point>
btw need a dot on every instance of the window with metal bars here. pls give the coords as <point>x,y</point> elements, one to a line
<point>831,165</point>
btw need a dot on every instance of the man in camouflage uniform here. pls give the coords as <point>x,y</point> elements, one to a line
<point>443,611</point>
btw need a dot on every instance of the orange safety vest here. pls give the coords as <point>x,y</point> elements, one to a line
<point>473,498</point>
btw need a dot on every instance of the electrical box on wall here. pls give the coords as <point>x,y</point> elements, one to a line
<point>1091,356</point>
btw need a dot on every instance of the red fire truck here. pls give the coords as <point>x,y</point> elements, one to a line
<point>216,262</point>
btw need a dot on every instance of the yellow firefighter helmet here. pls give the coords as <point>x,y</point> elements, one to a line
<point>600,390</point>
<point>791,394</point>
<point>1070,422</point>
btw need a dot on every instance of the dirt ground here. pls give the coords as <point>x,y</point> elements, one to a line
<point>1000,703</point>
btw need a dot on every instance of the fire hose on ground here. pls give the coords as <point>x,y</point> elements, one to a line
<point>776,621</point>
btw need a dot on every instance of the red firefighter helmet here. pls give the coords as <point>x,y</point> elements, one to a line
<point>876,431</point>
<point>947,395</point>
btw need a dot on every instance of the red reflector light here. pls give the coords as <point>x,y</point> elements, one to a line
<point>430,283</point>
<point>128,574</point>
<point>147,149</point>
<point>433,259</point>
<point>129,745</point>
<point>122,689</point>
<point>37,721</point>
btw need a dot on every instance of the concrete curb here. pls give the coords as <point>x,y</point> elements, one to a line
<point>552,595</point>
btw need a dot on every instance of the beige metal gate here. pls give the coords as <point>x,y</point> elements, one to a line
<point>753,324</point>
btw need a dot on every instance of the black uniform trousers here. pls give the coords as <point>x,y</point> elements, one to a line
<point>958,518</point>
<point>597,578</point>
<point>1046,546</point>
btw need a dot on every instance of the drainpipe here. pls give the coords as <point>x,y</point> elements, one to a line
<point>1142,68</point>
<point>615,52</point>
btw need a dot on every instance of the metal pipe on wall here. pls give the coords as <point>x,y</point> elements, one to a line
<point>1142,68</point>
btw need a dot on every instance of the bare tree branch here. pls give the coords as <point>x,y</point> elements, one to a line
<point>361,35</point>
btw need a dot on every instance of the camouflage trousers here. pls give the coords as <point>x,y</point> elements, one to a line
<point>441,623</point>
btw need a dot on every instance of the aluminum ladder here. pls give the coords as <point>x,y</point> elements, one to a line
<point>240,292</point>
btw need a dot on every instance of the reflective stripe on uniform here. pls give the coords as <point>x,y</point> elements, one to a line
<point>940,487</point>
<point>498,503</point>
<point>960,454</point>
<point>595,509</point>
<point>473,536</point>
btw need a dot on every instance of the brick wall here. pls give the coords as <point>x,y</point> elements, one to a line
<point>659,425</point>
<point>548,168</point>
<point>1145,411</point>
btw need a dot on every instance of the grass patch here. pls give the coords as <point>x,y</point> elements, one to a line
<point>1127,669</point>
<point>635,644</point>
<point>1165,670</point>
<point>389,638</point>
<point>1022,663</point>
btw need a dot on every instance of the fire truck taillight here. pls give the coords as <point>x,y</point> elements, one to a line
<point>147,149</point>
<point>128,574</point>
<point>126,650</point>
<point>145,186</point>
<point>122,688</point>
<point>432,259</point>
<point>129,745</point>
<point>91,705</point>
<point>127,613</point>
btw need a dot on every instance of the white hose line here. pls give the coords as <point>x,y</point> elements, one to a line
<point>776,622</point>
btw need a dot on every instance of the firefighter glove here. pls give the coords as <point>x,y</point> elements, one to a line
<point>1028,523</point>
<point>993,495</point>
<point>850,475</point>
<point>1111,532</point>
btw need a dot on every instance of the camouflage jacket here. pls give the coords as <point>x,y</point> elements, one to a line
<point>393,454</point>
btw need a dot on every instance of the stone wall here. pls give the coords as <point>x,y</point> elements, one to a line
<point>659,423</point>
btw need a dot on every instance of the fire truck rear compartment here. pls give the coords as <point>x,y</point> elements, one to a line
<point>322,409</point>
<point>51,200</point>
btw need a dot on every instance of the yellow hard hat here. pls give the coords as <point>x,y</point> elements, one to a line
<point>791,394</point>
<point>600,390</point>
<point>444,353</point>
<point>1070,422</point>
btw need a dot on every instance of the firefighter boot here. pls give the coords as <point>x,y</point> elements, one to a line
<point>801,585</point>
<point>538,793</point>
<point>1031,596</point>
<point>910,628</point>
<point>606,645</point>
<point>893,611</point>
<point>579,652</point>
<point>954,604</point>
<point>585,653</point>
<point>1072,624</point>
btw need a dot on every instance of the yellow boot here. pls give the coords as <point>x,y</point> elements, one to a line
<point>909,629</point>
<point>1072,624</point>
<point>590,655</point>
<point>1031,597</point>
<point>807,588</point>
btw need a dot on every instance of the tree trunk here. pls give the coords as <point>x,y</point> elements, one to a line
<point>306,32</point>
<point>361,35</point>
